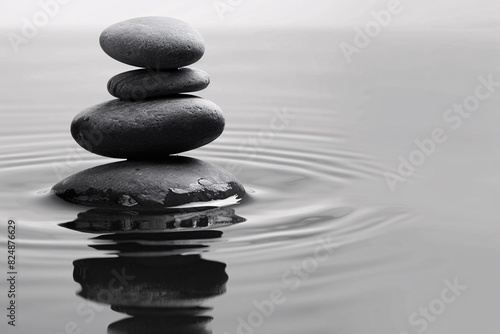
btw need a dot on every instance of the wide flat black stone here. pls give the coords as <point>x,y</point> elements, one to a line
<point>150,184</point>
<point>150,129</point>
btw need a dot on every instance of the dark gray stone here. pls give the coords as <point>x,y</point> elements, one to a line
<point>149,184</point>
<point>139,85</point>
<point>150,129</point>
<point>153,42</point>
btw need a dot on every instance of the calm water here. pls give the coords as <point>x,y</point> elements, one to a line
<point>320,245</point>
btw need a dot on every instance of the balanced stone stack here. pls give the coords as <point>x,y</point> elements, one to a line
<point>150,121</point>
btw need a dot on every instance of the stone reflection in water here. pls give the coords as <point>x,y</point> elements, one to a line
<point>126,221</point>
<point>143,281</point>
<point>152,280</point>
<point>174,324</point>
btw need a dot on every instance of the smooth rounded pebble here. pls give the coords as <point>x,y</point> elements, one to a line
<point>139,85</point>
<point>149,184</point>
<point>153,42</point>
<point>150,129</point>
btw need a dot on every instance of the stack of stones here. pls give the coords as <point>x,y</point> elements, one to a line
<point>149,122</point>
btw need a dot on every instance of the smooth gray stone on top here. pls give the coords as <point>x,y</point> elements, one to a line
<point>153,42</point>
<point>150,129</point>
<point>139,85</point>
<point>149,184</point>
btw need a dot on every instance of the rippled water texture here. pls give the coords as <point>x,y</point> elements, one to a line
<point>321,244</point>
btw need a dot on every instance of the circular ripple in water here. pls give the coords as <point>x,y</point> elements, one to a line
<point>295,179</point>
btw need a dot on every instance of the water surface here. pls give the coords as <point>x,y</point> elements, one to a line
<point>321,233</point>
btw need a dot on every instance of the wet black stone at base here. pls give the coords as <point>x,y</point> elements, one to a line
<point>149,184</point>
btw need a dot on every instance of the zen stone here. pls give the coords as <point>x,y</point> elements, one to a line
<point>153,42</point>
<point>150,129</point>
<point>150,184</point>
<point>139,85</point>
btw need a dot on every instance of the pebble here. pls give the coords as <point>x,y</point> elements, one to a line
<point>139,85</point>
<point>153,42</point>
<point>171,182</point>
<point>150,129</point>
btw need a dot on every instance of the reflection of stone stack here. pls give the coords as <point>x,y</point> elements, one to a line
<point>171,221</point>
<point>149,121</point>
<point>152,279</point>
<point>161,293</point>
<point>155,283</point>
